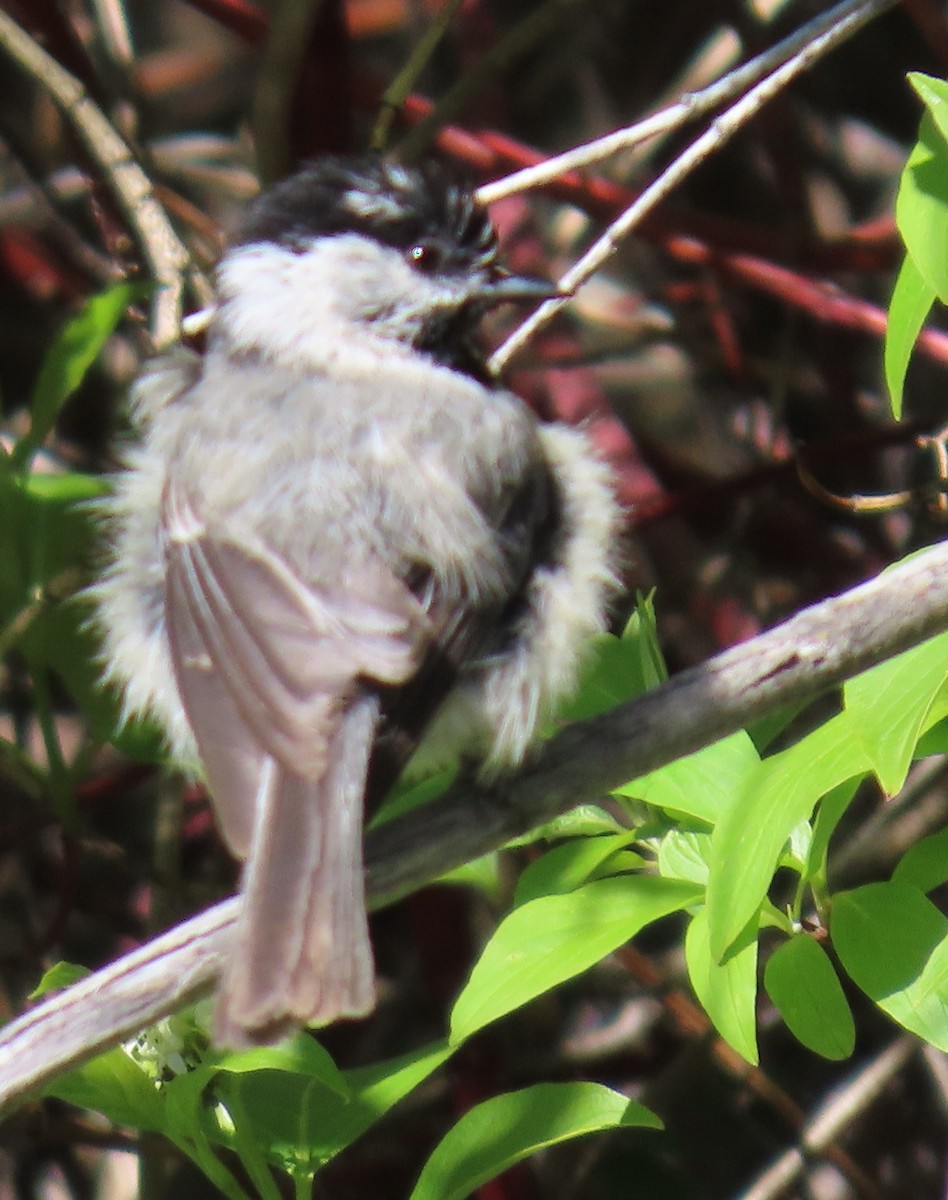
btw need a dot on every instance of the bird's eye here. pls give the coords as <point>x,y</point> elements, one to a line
<point>425,256</point>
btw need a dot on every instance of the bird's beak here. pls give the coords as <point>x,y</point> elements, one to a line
<point>512,289</point>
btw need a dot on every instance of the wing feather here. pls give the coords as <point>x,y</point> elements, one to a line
<point>280,683</point>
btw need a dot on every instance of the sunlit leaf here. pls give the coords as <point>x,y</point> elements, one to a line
<point>748,840</point>
<point>911,302</point>
<point>921,207</point>
<point>925,865</point>
<point>893,943</point>
<point>554,938</point>
<point>702,784</point>
<point>569,865</point>
<point>890,704</point>
<point>727,991</point>
<point>506,1129</point>
<point>802,983</point>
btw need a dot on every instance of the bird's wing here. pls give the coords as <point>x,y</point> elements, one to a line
<point>273,676</point>
<point>264,663</point>
<point>524,512</point>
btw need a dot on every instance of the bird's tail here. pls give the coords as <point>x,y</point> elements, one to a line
<point>301,952</point>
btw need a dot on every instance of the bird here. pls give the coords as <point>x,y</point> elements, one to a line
<point>335,546</point>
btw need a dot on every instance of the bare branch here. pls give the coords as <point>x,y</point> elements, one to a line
<point>690,106</point>
<point>813,651</point>
<point>837,1114</point>
<point>847,19</point>
<point>163,250</point>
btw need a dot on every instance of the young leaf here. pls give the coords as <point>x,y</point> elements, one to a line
<point>921,207</point>
<point>300,1055</point>
<point>934,95</point>
<point>555,938</point>
<point>500,1132</point>
<point>76,348</point>
<point>727,991</point>
<point>830,812</point>
<point>301,1123</point>
<point>912,300</point>
<point>893,943</point>
<point>619,668</point>
<point>186,1115</point>
<point>683,854</point>
<point>115,1086</point>
<point>805,988</point>
<point>748,840</point>
<point>890,705</point>
<point>925,865</point>
<point>702,784</point>
<point>59,976</point>
<point>569,865</point>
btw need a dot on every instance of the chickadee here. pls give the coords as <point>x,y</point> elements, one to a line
<point>335,540</point>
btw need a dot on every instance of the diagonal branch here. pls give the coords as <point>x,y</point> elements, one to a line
<point>667,120</point>
<point>813,651</point>
<point>847,18</point>
<point>167,257</point>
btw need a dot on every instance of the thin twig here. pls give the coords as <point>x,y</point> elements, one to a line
<point>165,254</point>
<point>813,651</point>
<point>394,96</point>
<point>114,29</point>
<point>687,108</point>
<point>848,18</point>
<point>831,1119</point>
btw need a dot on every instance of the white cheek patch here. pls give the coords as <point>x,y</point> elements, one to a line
<point>345,299</point>
<point>267,299</point>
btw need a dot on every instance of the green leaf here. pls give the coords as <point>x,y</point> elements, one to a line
<point>246,1144</point>
<point>934,95</point>
<point>569,865</point>
<point>748,841</point>
<point>912,300</point>
<point>413,793</point>
<point>43,533</point>
<point>805,988</point>
<point>727,991</point>
<point>187,1120</point>
<point>483,874</point>
<point>925,865</point>
<point>890,704</point>
<point>59,976</point>
<point>684,855</point>
<point>893,943</point>
<point>619,668</point>
<point>302,1124</point>
<point>766,730</point>
<point>933,741</point>
<point>921,207</point>
<point>555,938</point>
<point>587,820</point>
<point>831,810</point>
<point>69,358</point>
<point>702,784</point>
<point>115,1086</point>
<point>500,1132</point>
<point>299,1055</point>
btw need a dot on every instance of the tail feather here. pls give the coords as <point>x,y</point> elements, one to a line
<point>301,952</point>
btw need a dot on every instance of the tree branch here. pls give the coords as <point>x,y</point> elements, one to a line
<point>813,651</point>
<point>164,252</point>
<point>841,23</point>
